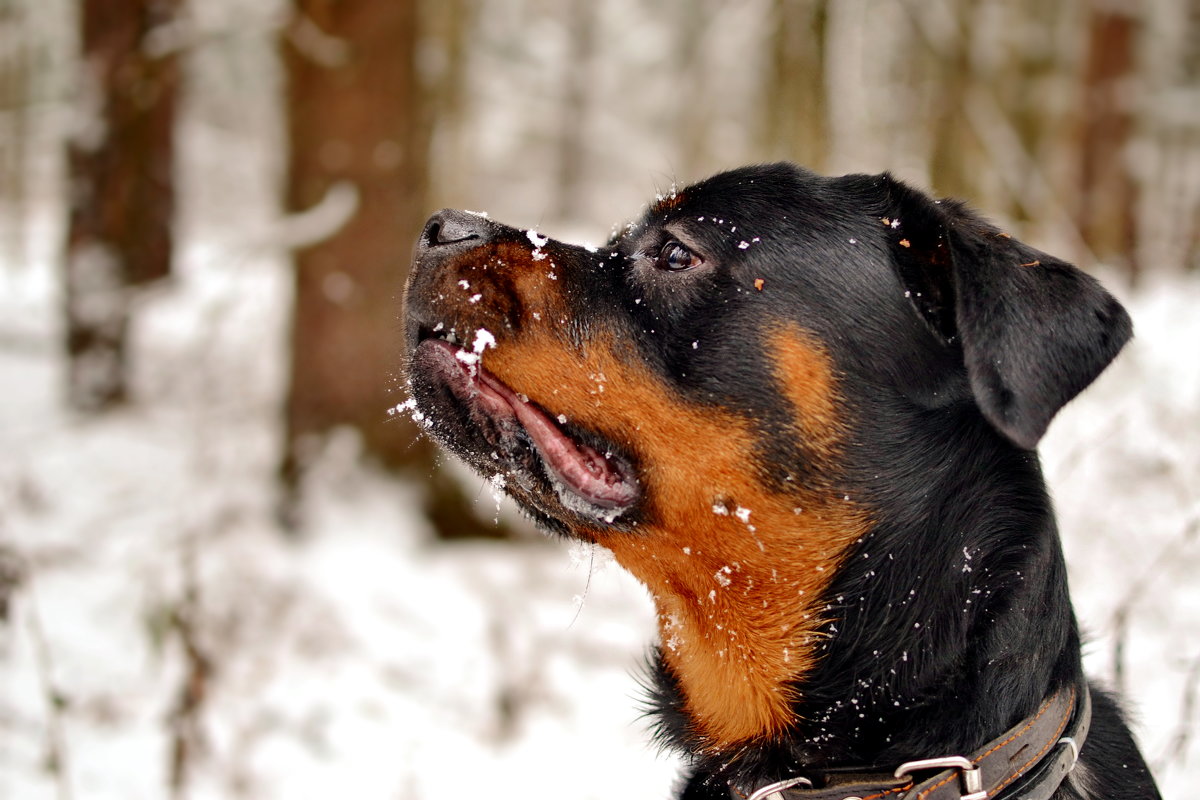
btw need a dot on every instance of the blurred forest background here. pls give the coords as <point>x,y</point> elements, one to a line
<point>206,213</point>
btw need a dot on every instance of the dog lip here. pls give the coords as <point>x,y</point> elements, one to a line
<point>595,477</point>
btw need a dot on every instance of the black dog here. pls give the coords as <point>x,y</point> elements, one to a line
<point>801,410</point>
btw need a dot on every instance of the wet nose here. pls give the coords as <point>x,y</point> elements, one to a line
<point>449,230</point>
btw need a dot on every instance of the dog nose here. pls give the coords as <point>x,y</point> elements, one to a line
<point>454,230</point>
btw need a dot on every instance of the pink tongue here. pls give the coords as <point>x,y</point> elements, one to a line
<point>577,465</point>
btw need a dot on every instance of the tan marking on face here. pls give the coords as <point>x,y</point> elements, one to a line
<point>499,286</point>
<point>735,569</point>
<point>803,371</point>
<point>667,203</point>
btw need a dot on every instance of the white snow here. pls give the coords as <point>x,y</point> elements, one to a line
<point>337,207</point>
<point>483,340</point>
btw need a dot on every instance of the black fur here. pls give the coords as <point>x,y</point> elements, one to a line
<point>955,345</point>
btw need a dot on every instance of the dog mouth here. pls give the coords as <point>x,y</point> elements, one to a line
<point>593,481</point>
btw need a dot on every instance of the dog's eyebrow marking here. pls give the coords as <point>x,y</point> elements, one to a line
<point>668,202</point>
<point>737,593</point>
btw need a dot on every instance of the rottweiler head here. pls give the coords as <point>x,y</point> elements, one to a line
<point>723,393</point>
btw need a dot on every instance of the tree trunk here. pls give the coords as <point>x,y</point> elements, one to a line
<point>121,164</point>
<point>795,114</point>
<point>14,131</point>
<point>1108,194</point>
<point>581,22</point>
<point>357,123</point>
<point>955,154</point>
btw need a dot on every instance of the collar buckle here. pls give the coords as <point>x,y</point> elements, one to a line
<point>972,779</point>
<point>774,791</point>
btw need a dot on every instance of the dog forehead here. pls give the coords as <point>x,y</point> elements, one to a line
<point>754,190</point>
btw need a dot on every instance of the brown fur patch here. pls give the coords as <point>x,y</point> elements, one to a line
<point>667,203</point>
<point>806,376</point>
<point>501,287</point>
<point>736,569</point>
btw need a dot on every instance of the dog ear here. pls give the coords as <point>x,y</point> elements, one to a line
<point>1034,330</point>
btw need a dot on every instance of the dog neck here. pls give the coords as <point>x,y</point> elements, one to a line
<point>739,600</point>
<point>930,650</point>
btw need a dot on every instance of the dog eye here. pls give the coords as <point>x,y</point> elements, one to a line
<point>675,257</point>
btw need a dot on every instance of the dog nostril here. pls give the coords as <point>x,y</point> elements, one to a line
<point>454,227</point>
<point>432,233</point>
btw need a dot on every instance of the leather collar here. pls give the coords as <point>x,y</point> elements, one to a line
<point>1029,761</point>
